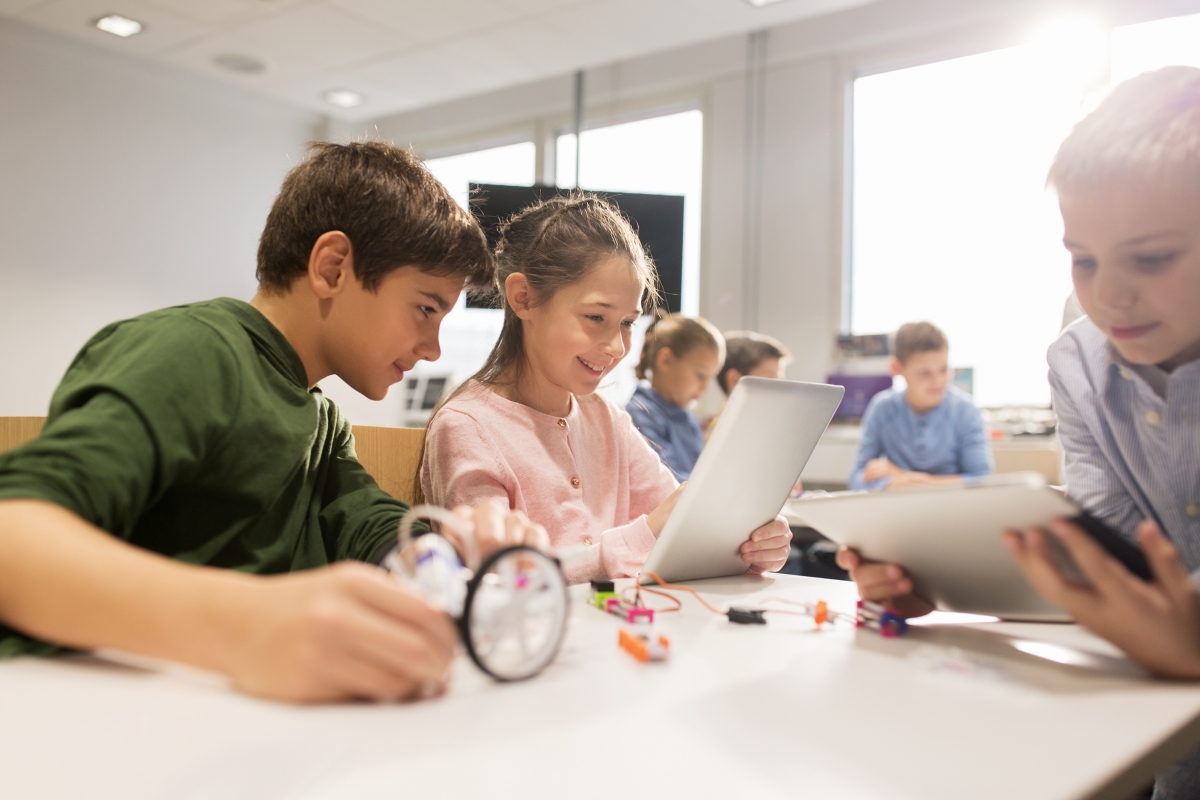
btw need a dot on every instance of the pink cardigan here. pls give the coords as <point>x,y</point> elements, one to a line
<point>590,478</point>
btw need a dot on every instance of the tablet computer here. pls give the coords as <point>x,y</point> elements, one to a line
<point>743,477</point>
<point>948,539</point>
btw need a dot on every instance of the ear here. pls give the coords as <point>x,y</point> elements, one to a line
<point>331,264</point>
<point>894,366</point>
<point>663,359</point>
<point>732,376</point>
<point>519,294</point>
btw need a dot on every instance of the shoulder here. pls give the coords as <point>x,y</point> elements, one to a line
<point>1079,359</point>
<point>884,403</point>
<point>960,401</point>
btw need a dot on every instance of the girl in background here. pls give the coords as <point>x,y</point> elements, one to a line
<point>679,359</point>
<point>528,428</point>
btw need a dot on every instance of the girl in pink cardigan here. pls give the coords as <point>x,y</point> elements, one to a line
<point>528,428</point>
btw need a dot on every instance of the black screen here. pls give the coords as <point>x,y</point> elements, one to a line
<point>658,219</point>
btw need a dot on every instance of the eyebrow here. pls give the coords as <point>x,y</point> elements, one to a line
<point>611,307</point>
<point>1149,237</point>
<point>438,300</point>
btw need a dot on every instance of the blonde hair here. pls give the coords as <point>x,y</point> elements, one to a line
<point>1149,124</point>
<point>680,335</point>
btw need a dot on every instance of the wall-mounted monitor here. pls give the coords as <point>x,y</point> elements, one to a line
<point>658,219</point>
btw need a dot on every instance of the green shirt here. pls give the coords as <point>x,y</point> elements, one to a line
<point>191,432</point>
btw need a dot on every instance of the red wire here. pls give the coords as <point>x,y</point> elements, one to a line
<point>694,593</point>
<point>678,603</point>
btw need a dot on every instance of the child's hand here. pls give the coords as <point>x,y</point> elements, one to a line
<point>1157,624</point>
<point>878,468</point>
<point>657,518</point>
<point>902,478</point>
<point>495,527</point>
<point>345,632</point>
<point>768,547</point>
<point>883,583</point>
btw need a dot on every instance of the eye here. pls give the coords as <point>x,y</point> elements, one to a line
<point>628,323</point>
<point>1151,262</point>
<point>428,311</point>
<point>1083,262</point>
<point>594,317</point>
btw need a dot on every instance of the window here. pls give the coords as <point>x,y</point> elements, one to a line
<point>512,165</point>
<point>660,155</point>
<point>951,219</point>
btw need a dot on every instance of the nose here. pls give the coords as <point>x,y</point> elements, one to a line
<point>615,345</point>
<point>1112,290</point>
<point>429,348</point>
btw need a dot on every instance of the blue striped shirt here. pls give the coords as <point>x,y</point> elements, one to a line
<point>1130,437</point>
<point>1131,445</point>
<point>948,440</point>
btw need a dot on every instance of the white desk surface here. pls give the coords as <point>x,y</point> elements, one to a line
<point>772,712</point>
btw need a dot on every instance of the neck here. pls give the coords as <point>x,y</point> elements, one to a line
<point>534,390</point>
<point>663,391</point>
<point>917,409</point>
<point>298,325</point>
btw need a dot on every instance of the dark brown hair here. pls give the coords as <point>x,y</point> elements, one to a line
<point>680,335</point>
<point>918,337</point>
<point>745,350</point>
<point>394,212</point>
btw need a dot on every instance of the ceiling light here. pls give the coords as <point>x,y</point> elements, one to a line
<point>344,98</point>
<point>236,62</point>
<point>118,25</point>
<point>761,3</point>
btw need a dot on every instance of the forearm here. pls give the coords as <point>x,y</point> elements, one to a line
<point>70,583</point>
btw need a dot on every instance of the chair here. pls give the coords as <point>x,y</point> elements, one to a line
<point>16,431</point>
<point>392,456</point>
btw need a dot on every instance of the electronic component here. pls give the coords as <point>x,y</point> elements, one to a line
<point>511,607</point>
<point>627,612</point>
<point>747,616</point>
<point>644,648</point>
<point>880,618</point>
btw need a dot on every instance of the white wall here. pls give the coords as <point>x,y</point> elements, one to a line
<point>124,187</point>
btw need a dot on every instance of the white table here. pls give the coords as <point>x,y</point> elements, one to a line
<point>770,712</point>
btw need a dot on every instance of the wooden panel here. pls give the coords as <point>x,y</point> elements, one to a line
<point>1041,456</point>
<point>392,456</point>
<point>16,431</point>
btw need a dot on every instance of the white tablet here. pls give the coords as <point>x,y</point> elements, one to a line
<point>948,539</point>
<point>743,477</point>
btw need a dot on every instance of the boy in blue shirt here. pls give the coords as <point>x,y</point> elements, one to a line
<point>1126,383</point>
<point>929,433</point>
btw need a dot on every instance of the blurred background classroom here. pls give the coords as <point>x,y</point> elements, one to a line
<point>820,171</point>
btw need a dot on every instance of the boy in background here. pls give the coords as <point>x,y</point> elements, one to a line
<point>195,437</point>
<point>929,433</point>
<point>1126,385</point>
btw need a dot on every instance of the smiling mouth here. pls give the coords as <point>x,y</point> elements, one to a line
<point>595,369</point>
<point>1131,331</point>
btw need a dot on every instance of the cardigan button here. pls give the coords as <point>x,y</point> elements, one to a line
<point>575,482</point>
<point>562,423</point>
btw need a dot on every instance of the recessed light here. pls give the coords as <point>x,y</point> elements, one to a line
<point>237,62</point>
<point>761,3</point>
<point>118,25</point>
<point>344,98</point>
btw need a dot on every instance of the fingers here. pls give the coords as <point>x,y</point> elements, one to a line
<point>847,559</point>
<point>399,605</point>
<point>1030,551</point>
<point>1168,570</point>
<point>881,582</point>
<point>1100,569</point>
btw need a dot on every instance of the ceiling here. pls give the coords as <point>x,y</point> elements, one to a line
<point>405,54</point>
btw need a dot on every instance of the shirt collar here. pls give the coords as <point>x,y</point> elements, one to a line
<point>273,344</point>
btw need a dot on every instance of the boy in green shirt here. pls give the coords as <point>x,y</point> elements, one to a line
<point>194,437</point>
